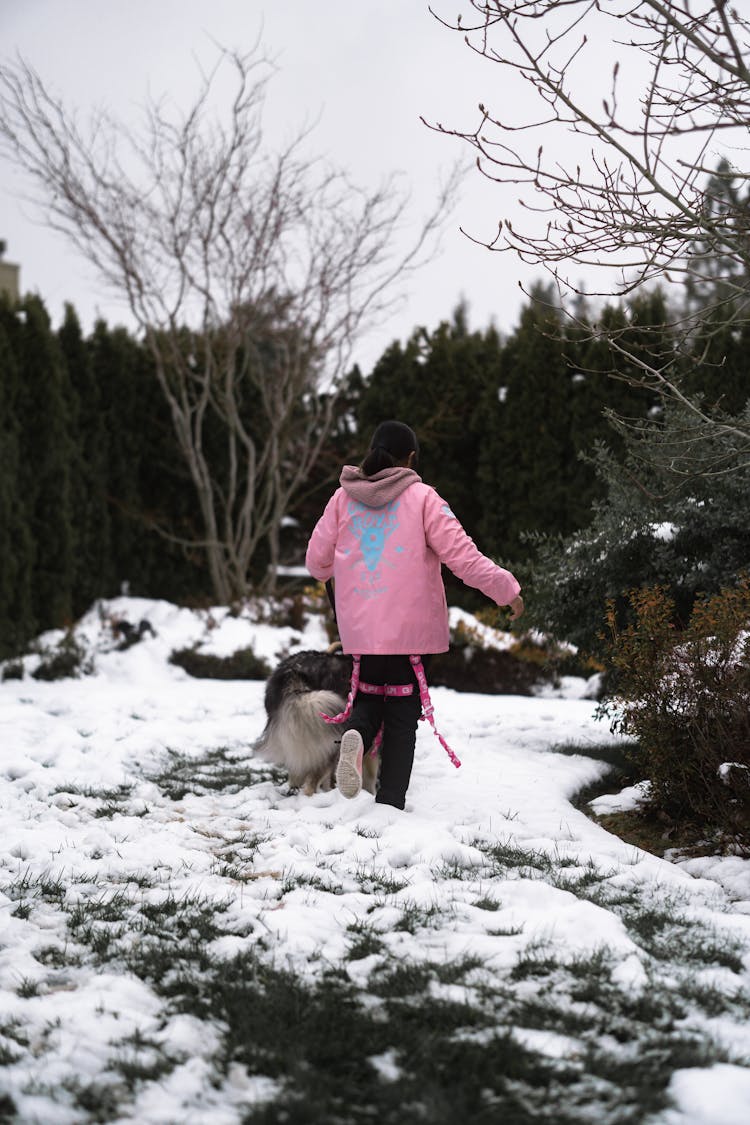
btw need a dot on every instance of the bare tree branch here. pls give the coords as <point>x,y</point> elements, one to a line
<point>622,176</point>
<point>251,273</point>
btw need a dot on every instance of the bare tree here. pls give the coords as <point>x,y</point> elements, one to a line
<point>250,272</point>
<point>629,169</point>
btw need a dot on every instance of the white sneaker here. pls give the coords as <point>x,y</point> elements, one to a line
<point>349,769</point>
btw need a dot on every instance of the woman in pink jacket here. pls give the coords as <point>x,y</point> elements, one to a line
<point>382,538</point>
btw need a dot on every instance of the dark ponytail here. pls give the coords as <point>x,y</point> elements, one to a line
<point>391,443</point>
<point>378,458</point>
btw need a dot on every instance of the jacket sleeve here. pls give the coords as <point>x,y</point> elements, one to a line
<point>457,550</point>
<point>322,546</point>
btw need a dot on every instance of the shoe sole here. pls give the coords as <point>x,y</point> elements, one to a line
<point>349,769</point>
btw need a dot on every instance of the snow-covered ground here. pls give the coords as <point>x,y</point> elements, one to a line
<point>101,807</point>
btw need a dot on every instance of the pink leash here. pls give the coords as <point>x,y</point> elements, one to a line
<point>353,689</point>
<point>427,708</point>
<point>395,690</point>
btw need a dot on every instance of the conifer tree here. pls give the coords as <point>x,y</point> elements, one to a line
<point>527,452</point>
<point>437,383</point>
<point>45,460</point>
<point>146,483</point>
<point>115,359</point>
<point>722,378</point>
<point>91,526</point>
<point>16,611</point>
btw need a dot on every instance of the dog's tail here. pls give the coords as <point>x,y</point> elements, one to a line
<point>297,732</point>
<point>324,702</point>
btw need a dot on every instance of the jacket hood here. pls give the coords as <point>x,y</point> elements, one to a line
<point>379,489</point>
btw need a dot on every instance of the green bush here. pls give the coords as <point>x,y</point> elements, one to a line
<point>473,665</point>
<point>241,665</point>
<point>13,670</point>
<point>676,514</point>
<point>66,659</point>
<point>684,694</point>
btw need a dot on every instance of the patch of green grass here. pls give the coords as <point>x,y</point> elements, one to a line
<point>190,916</point>
<point>236,857</point>
<point>657,927</point>
<point>107,907</point>
<point>454,1060</point>
<point>144,880</point>
<point>28,988</point>
<point>100,923</point>
<point>219,769</point>
<point>614,754</point>
<point>366,941</point>
<point>140,1059</point>
<point>447,1026</point>
<point>373,881</point>
<point>113,794</point>
<point>533,963</point>
<point>504,856</point>
<point>455,972</point>
<point>669,936</point>
<point>455,869</point>
<point>8,1056</point>
<point>415,917</point>
<point>408,979</point>
<point>298,879</point>
<point>505,931</point>
<point>114,808</point>
<point>579,881</point>
<point>579,998</point>
<point>619,772</point>
<point>101,1102</point>
<point>487,903</point>
<point>590,966</point>
<point>45,887</point>
<point>13,1041</point>
<point>14,1030</point>
<point>566,861</point>
<point>235,872</point>
<point>402,979</point>
<point>714,1001</point>
<point>57,957</point>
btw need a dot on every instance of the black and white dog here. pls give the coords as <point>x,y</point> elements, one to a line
<point>295,736</point>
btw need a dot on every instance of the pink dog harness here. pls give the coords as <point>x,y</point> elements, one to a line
<point>399,690</point>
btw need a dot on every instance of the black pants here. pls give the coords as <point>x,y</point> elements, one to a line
<point>399,716</point>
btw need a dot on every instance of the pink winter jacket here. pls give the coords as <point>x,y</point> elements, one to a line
<point>382,539</point>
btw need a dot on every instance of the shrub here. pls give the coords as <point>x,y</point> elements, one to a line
<point>472,665</point>
<point>13,670</point>
<point>684,694</point>
<point>241,665</point>
<point>676,514</point>
<point>67,658</point>
<point>292,611</point>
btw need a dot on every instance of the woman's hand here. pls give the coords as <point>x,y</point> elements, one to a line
<point>516,607</point>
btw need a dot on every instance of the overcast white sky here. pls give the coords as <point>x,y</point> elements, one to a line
<point>367,68</point>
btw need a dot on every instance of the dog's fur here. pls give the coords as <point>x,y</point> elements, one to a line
<point>295,735</point>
